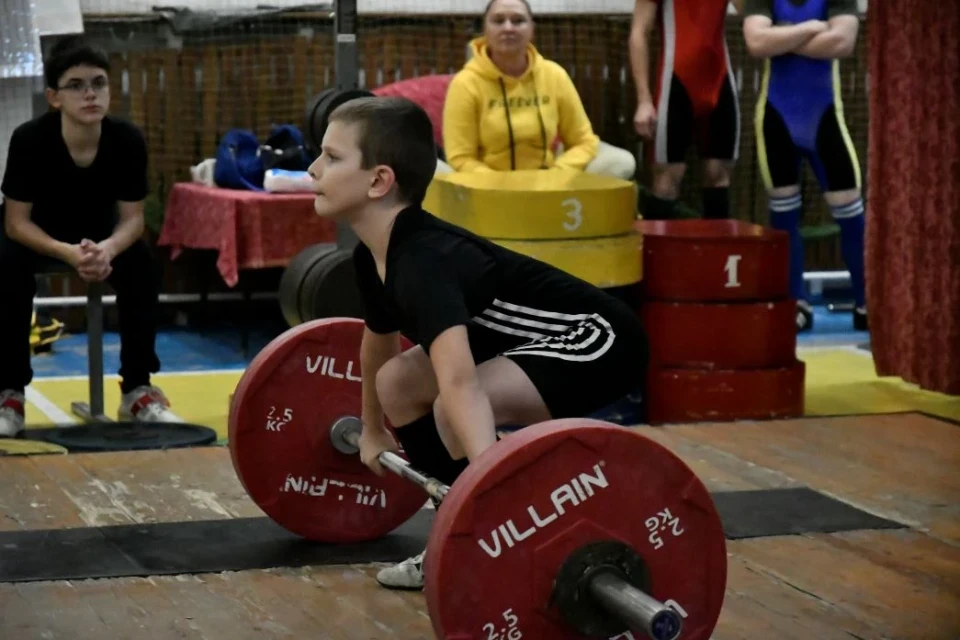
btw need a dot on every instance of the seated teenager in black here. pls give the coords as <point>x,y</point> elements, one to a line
<point>501,338</point>
<point>74,189</point>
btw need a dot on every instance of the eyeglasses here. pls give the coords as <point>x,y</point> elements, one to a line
<point>98,84</point>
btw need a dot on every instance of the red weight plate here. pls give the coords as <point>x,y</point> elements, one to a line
<point>700,395</point>
<point>279,429</point>
<point>713,260</point>
<point>746,335</point>
<point>517,512</point>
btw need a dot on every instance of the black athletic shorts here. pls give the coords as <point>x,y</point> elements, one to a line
<point>581,364</point>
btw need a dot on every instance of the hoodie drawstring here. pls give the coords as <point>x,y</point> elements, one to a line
<point>543,127</point>
<point>506,107</point>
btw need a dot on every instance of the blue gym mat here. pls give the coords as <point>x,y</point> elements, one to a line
<point>179,350</point>
<point>192,350</point>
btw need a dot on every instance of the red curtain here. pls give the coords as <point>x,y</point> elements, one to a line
<point>913,194</point>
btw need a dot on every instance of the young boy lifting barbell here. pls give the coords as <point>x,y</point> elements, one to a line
<point>502,339</point>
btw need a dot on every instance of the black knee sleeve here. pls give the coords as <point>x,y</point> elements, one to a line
<point>658,209</point>
<point>426,452</point>
<point>716,203</point>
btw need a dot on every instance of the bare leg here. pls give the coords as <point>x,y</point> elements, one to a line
<point>407,389</point>
<point>716,173</point>
<point>716,189</point>
<point>512,396</point>
<point>667,179</point>
<point>407,386</point>
<point>666,190</point>
<point>841,198</point>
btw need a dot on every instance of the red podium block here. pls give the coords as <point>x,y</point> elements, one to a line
<point>700,395</point>
<point>745,335</point>
<point>721,323</point>
<point>713,260</point>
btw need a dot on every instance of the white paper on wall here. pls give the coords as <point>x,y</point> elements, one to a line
<point>58,17</point>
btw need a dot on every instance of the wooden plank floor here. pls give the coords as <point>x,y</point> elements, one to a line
<point>864,584</point>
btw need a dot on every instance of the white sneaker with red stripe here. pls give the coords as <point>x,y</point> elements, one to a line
<point>146,403</point>
<point>11,413</point>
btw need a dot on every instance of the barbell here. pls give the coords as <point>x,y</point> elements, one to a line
<point>606,581</point>
<point>564,529</point>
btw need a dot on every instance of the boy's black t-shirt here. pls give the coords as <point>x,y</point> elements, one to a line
<point>71,202</point>
<point>439,276</point>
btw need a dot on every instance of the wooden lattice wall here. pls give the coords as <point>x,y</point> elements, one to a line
<point>254,74</point>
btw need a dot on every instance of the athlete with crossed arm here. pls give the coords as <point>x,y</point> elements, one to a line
<point>694,99</point>
<point>800,115</point>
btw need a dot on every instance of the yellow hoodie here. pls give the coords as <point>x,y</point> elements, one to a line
<point>480,133</point>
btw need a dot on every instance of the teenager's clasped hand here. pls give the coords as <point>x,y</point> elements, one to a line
<point>92,260</point>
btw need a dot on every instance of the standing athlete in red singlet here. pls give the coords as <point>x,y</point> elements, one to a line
<point>695,98</point>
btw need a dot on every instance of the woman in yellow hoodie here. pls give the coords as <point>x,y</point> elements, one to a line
<point>505,109</point>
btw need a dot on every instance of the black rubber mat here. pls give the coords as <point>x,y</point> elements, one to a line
<point>783,512</point>
<point>188,547</point>
<point>124,436</point>
<point>259,543</point>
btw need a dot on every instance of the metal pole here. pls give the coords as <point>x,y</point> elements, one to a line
<point>345,34</point>
<point>95,347</point>
<point>165,298</point>
<point>634,607</point>
<point>345,54</point>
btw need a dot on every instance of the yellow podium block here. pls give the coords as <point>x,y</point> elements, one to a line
<point>534,205</point>
<point>615,261</point>
<point>12,447</point>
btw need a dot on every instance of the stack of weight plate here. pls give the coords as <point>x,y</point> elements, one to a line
<point>578,222</point>
<point>721,323</point>
<point>319,282</point>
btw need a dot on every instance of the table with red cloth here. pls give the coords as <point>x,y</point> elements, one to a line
<point>248,229</point>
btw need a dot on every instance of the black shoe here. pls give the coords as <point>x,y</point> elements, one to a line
<point>860,319</point>
<point>804,316</point>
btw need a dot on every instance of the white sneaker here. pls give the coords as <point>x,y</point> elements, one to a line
<point>11,413</point>
<point>146,403</point>
<point>405,575</point>
<point>804,316</point>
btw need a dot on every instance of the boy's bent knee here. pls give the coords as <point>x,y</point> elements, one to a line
<point>404,389</point>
